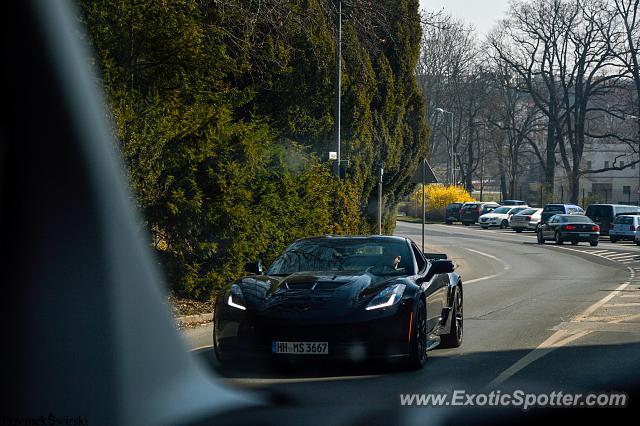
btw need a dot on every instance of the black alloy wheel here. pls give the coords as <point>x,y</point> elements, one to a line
<point>454,338</point>
<point>558,239</point>
<point>418,348</point>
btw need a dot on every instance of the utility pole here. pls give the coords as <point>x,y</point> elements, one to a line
<point>424,198</point>
<point>380,198</point>
<point>338,81</point>
<point>484,137</point>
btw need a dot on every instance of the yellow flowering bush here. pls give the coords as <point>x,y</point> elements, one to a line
<point>439,196</point>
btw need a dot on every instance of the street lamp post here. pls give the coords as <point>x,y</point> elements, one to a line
<point>452,161</point>
<point>380,198</point>
<point>338,80</point>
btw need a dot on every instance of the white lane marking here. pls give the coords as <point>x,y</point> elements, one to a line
<point>625,318</point>
<point>591,309</point>
<point>270,380</point>
<point>200,348</point>
<point>505,264</point>
<point>618,255</point>
<point>469,230</point>
<point>488,277</point>
<point>556,340</point>
<point>622,305</point>
<point>621,255</point>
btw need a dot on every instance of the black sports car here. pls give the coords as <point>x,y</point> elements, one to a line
<point>352,298</point>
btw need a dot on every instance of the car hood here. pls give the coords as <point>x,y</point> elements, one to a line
<point>494,216</point>
<point>312,292</point>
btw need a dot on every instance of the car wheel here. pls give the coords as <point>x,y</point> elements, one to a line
<point>638,243</point>
<point>518,230</point>
<point>220,357</point>
<point>454,338</point>
<point>593,243</point>
<point>466,223</point>
<point>540,237</point>
<point>418,347</point>
<point>613,239</point>
<point>574,243</point>
<point>484,227</point>
<point>558,239</point>
<point>504,224</point>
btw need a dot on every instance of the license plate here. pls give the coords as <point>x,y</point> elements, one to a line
<point>300,348</point>
<point>584,235</point>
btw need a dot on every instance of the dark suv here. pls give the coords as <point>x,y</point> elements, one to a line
<point>553,209</point>
<point>453,213</point>
<point>470,212</point>
<point>605,214</point>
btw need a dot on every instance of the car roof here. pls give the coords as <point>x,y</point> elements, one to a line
<point>356,237</point>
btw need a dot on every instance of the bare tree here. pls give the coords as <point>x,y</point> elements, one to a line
<point>449,76</point>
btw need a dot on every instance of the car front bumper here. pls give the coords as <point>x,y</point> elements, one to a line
<point>248,335</point>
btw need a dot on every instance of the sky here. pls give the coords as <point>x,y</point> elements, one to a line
<point>481,13</point>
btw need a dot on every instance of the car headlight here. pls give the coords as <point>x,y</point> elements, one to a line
<point>387,297</point>
<point>236,298</point>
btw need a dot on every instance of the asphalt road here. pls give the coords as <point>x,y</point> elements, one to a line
<point>537,318</point>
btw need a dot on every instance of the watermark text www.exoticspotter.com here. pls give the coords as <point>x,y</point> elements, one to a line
<point>518,399</point>
<point>50,420</point>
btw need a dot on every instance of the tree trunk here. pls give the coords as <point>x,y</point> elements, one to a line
<point>550,169</point>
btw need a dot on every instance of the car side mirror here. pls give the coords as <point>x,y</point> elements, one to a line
<point>442,266</point>
<point>438,266</point>
<point>253,268</point>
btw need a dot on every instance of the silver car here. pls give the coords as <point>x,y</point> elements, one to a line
<point>624,227</point>
<point>526,220</point>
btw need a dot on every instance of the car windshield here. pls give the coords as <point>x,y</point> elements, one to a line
<point>527,212</point>
<point>553,208</point>
<point>502,210</point>
<point>624,220</point>
<point>349,255</point>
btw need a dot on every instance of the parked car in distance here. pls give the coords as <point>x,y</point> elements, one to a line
<point>452,214</point>
<point>513,203</point>
<point>500,216</point>
<point>527,219</point>
<point>625,227</point>
<point>470,212</point>
<point>569,227</point>
<point>604,214</point>
<point>554,209</point>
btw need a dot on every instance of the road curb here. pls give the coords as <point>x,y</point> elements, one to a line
<point>186,320</point>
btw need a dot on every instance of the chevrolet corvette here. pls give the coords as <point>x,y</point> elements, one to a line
<point>352,298</point>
